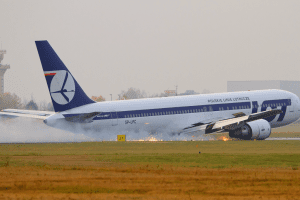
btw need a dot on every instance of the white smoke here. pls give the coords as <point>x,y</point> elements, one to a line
<point>27,130</point>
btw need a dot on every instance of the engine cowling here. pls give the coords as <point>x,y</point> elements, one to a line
<point>258,129</point>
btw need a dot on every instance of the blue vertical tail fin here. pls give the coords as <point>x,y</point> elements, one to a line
<point>64,90</point>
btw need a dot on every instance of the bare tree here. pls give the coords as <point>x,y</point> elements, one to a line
<point>132,93</point>
<point>50,107</point>
<point>8,100</point>
<point>43,105</point>
<point>158,95</point>
<point>24,103</point>
<point>205,91</point>
<point>31,106</point>
<point>98,99</point>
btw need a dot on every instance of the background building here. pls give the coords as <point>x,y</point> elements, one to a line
<point>189,92</point>
<point>3,69</point>
<point>291,86</point>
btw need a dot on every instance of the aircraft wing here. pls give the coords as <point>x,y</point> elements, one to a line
<point>232,123</point>
<point>26,113</point>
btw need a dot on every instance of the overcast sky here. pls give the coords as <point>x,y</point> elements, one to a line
<point>110,46</point>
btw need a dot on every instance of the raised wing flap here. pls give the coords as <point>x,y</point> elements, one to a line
<point>264,114</point>
<point>261,115</point>
<point>224,124</point>
<point>221,124</point>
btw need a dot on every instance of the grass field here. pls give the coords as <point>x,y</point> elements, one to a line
<point>151,170</point>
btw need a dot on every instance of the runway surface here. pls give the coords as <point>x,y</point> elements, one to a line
<point>298,138</point>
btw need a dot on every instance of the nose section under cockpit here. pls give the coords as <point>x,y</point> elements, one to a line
<point>296,106</point>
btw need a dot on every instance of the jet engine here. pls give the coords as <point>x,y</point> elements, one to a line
<point>258,129</point>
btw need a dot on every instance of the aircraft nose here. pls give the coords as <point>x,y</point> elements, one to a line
<point>45,121</point>
<point>297,100</point>
<point>297,107</point>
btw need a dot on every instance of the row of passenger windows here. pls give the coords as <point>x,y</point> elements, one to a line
<point>233,107</point>
<point>273,105</point>
<point>204,109</point>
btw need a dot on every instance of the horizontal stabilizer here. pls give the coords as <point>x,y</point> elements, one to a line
<point>31,112</point>
<point>15,114</point>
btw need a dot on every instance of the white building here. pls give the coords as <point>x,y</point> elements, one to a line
<point>291,86</point>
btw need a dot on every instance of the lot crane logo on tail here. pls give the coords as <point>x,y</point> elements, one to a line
<point>62,87</point>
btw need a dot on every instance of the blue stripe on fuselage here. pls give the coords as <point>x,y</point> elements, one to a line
<point>170,111</point>
<point>194,109</point>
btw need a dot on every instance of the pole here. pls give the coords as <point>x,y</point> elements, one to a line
<point>110,97</point>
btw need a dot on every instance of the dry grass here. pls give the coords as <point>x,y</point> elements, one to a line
<point>145,182</point>
<point>172,170</point>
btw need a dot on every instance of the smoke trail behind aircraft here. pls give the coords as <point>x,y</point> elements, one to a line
<point>26,130</point>
<point>15,130</point>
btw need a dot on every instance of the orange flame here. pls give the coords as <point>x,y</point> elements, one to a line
<point>149,139</point>
<point>224,138</point>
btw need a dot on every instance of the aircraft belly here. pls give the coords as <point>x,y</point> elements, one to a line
<point>155,124</point>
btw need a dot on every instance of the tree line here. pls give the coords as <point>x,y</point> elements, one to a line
<point>12,101</point>
<point>135,93</point>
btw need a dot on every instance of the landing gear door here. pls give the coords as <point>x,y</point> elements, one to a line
<point>114,118</point>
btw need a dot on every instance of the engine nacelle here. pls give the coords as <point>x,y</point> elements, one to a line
<point>258,129</point>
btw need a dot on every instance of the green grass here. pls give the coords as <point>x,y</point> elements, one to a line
<point>207,160</point>
<point>11,161</point>
<point>214,154</point>
<point>192,147</point>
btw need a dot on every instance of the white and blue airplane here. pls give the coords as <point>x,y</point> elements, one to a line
<point>245,115</point>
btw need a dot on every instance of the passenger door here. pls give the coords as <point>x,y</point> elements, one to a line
<point>114,118</point>
<point>291,107</point>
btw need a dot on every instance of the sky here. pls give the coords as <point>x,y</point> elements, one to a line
<point>109,46</point>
